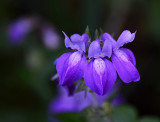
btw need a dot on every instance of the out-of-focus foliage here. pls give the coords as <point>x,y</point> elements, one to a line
<point>149,119</point>
<point>124,114</point>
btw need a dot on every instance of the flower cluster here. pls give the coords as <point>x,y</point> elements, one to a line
<point>106,58</point>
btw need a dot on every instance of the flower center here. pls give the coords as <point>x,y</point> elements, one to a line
<point>99,66</point>
<point>122,55</point>
<point>74,58</point>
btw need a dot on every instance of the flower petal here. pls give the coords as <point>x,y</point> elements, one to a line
<point>71,68</point>
<point>78,42</point>
<point>125,37</point>
<point>94,49</point>
<point>100,76</point>
<point>126,70</point>
<point>99,68</point>
<point>130,55</point>
<point>107,36</point>
<point>107,49</point>
<point>89,79</point>
<point>68,42</point>
<point>85,39</point>
<point>109,77</point>
<point>76,38</point>
<point>62,65</point>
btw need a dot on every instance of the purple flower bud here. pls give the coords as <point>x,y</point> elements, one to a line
<point>18,30</point>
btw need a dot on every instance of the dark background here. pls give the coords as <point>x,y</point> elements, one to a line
<point>25,70</point>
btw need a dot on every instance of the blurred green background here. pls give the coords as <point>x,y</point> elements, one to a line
<point>26,69</point>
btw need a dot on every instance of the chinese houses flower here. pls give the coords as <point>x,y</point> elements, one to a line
<point>100,74</point>
<point>70,66</point>
<point>123,59</point>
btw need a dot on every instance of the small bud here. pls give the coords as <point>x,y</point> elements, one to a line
<point>96,35</point>
<point>87,30</point>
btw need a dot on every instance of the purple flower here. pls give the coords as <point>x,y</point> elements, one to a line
<point>18,30</point>
<point>70,66</point>
<point>66,103</point>
<point>50,37</point>
<point>123,59</point>
<point>100,74</point>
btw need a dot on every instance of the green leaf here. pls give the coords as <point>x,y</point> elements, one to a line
<point>71,117</point>
<point>149,119</point>
<point>124,114</point>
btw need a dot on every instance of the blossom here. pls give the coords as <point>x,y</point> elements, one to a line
<point>64,102</point>
<point>100,74</point>
<point>70,66</point>
<point>67,100</point>
<point>20,28</point>
<point>123,59</point>
<point>50,37</point>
